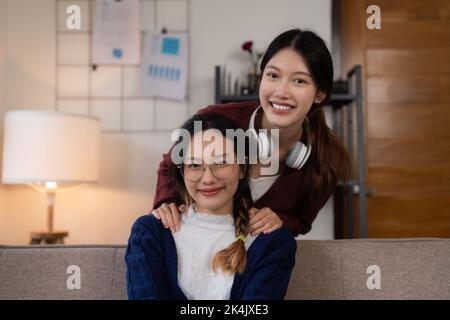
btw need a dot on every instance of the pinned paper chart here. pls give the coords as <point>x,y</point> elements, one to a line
<point>116,38</point>
<point>164,67</point>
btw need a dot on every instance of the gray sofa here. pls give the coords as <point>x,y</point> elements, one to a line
<point>325,269</point>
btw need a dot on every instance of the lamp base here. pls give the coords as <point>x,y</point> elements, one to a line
<point>48,237</point>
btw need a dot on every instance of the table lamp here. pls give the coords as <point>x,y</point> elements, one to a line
<point>50,151</point>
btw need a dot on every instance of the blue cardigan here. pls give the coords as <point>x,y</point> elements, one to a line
<point>152,264</point>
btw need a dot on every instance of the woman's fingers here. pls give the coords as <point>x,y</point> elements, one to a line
<point>175,217</point>
<point>256,221</point>
<point>169,210</point>
<point>261,226</point>
<point>169,217</point>
<point>274,227</point>
<point>163,214</point>
<point>260,214</point>
<point>265,221</point>
<point>169,214</point>
<point>156,214</point>
<point>252,212</point>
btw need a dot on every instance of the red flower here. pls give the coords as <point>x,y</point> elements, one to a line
<point>254,56</point>
<point>247,46</point>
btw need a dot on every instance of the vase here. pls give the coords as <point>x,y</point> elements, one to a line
<point>253,83</point>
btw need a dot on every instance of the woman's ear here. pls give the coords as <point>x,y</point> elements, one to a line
<point>320,96</point>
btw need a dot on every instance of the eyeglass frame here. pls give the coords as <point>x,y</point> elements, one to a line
<point>204,165</point>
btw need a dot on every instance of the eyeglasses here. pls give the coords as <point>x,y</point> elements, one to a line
<point>194,171</point>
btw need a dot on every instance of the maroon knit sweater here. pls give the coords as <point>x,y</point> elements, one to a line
<point>286,197</point>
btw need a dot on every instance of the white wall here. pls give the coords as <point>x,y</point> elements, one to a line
<point>3,47</point>
<point>218,29</point>
<point>103,213</point>
<point>31,54</point>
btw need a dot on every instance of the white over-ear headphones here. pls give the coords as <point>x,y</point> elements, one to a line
<point>298,155</point>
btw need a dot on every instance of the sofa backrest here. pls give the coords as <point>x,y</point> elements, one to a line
<point>325,269</point>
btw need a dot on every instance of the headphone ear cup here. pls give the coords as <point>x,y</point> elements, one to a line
<point>298,155</point>
<point>253,141</point>
<point>308,152</point>
<point>260,146</point>
<point>264,146</point>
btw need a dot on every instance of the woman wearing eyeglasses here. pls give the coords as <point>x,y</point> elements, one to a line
<point>212,256</point>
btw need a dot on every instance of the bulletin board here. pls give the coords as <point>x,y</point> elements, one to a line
<point>112,92</point>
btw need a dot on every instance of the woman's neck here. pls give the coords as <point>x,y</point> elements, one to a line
<point>224,210</point>
<point>287,136</point>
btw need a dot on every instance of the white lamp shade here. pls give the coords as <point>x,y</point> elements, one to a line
<point>42,146</point>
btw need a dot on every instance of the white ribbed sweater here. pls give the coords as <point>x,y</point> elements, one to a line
<point>200,237</point>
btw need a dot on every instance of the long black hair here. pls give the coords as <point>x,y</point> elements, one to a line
<point>328,161</point>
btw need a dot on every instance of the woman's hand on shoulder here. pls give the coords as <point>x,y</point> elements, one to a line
<point>169,214</point>
<point>263,221</point>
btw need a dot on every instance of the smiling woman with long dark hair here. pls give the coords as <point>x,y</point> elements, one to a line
<point>212,256</point>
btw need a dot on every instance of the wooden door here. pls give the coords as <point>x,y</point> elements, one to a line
<point>406,71</point>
